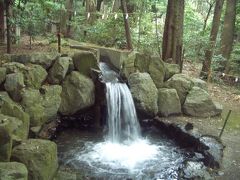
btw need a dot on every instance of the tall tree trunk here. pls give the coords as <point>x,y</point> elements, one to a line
<point>173,32</point>
<point>91,7</point>
<point>126,24</point>
<point>2,34</point>
<point>206,69</point>
<point>116,5</point>
<point>228,32</point>
<point>7,6</point>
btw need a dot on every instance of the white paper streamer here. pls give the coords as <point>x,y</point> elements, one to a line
<point>88,15</point>
<point>236,80</point>
<point>103,16</point>
<point>126,16</point>
<point>116,15</point>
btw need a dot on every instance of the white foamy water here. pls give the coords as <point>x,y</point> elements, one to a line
<point>128,156</point>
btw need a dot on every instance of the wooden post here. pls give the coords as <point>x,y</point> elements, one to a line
<point>59,42</point>
<point>229,113</point>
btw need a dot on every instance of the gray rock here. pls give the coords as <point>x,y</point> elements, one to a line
<point>200,83</point>
<point>199,103</point>
<point>144,92</point>
<point>44,59</point>
<point>59,70</point>
<point>5,142</point>
<point>84,61</point>
<point>2,74</point>
<point>34,76</point>
<point>142,61</point>
<point>195,170</point>
<point>13,171</point>
<point>77,93</point>
<point>9,108</point>
<point>182,84</point>
<point>32,103</point>
<point>171,69</point>
<point>13,67</point>
<point>157,71</point>
<point>51,100</point>
<point>168,102</point>
<point>8,129</point>
<point>39,156</point>
<point>14,84</point>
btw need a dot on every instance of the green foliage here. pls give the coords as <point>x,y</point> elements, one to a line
<point>235,59</point>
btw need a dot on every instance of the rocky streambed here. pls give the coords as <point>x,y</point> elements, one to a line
<point>36,89</point>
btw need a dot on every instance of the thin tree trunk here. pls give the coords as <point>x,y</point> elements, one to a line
<point>2,34</point>
<point>206,69</point>
<point>116,5</point>
<point>228,32</point>
<point>207,17</point>
<point>140,24</point>
<point>7,5</point>
<point>126,24</point>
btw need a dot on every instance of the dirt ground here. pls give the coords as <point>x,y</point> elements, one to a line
<point>228,96</point>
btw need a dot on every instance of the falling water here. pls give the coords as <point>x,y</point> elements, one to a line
<point>122,119</point>
<point>124,153</point>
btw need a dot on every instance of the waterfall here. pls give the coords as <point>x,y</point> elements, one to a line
<point>121,114</point>
<point>122,119</point>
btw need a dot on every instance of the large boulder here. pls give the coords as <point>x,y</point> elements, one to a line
<point>43,59</point>
<point>168,102</point>
<point>10,108</point>
<point>5,142</point>
<point>8,128</point>
<point>199,103</point>
<point>39,156</point>
<point>77,93</point>
<point>14,84</point>
<point>51,100</point>
<point>157,71</point>
<point>32,103</point>
<point>13,67</point>
<point>34,76</point>
<point>84,61</point>
<point>142,61</point>
<point>2,74</point>
<point>13,171</point>
<point>200,83</point>
<point>182,84</point>
<point>145,93</point>
<point>171,69</point>
<point>59,70</point>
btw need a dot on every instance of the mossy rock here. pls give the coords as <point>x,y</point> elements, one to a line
<point>182,83</point>
<point>2,74</point>
<point>14,84</point>
<point>84,61</point>
<point>78,93</point>
<point>10,108</point>
<point>9,127</point>
<point>39,156</point>
<point>59,70</point>
<point>145,93</point>
<point>31,101</point>
<point>157,71</point>
<point>13,171</point>
<point>51,100</point>
<point>168,102</point>
<point>34,76</point>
